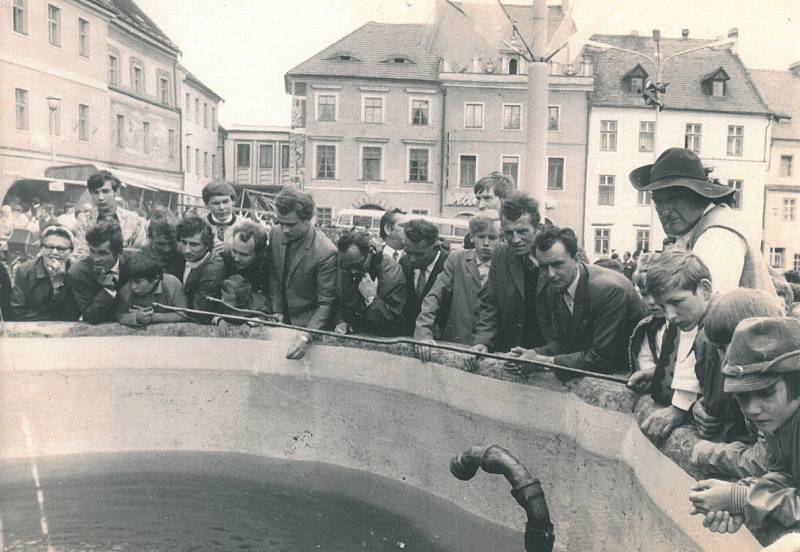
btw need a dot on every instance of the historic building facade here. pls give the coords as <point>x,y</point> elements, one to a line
<point>200,106</point>
<point>257,157</point>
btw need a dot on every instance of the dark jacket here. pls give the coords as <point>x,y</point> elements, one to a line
<point>203,282</point>
<point>645,335</point>
<point>595,337</point>
<point>257,274</point>
<point>310,291</point>
<point>501,302</point>
<point>33,297</point>
<point>456,293</point>
<point>95,303</point>
<point>5,293</point>
<point>414,303</point>
<point>175,265</point>
<point>382,317</point>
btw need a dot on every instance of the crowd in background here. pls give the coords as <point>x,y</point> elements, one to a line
<point>704,327</point>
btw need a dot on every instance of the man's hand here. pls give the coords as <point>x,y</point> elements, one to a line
<point>368,287</point>
<point>473,363</point>
<point>707,425</point>
<point>711,495</point>
<point>721,521</point>
<point>341,328</point>
<point>278,317</point>
<point>423,353</point>
<point>660,423</point>
<point>640,380</point>
<point>300,347</point>
<point>519,369</point>
<point>701,452</point>
<point>144,315</point>
<point>219,248</point>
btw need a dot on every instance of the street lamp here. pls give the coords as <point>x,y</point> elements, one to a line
<point>53,106</point>
<point>652,90</point>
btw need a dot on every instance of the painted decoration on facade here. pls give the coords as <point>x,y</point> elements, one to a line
<point>297,157</point>
<point>298,112</point>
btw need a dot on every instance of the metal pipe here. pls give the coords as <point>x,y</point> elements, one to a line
<point>526,490</point>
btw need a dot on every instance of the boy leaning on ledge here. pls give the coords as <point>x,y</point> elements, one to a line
<point>148,284</point>
<point>762,370</point>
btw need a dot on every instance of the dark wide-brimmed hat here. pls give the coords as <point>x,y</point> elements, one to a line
<point>682,164</point>
<point>761,351</point>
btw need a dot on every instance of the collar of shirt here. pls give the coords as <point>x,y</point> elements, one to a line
<point>191,265</point>
<point>115,268</point>
<point>215,220</point>
<point>569,293</point>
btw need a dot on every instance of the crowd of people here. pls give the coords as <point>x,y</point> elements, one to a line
<point>704,327</point>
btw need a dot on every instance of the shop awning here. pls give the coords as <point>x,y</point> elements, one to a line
<point>81,173</point>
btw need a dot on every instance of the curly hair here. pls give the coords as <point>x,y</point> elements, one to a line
<point>548,237</point>
<point>517,204</point>
<point>354,236</point>
<point>143,264</point>
<point>191,225</point>
<point>96,181</point>
<point>291,200</point>
<point>103,232</point>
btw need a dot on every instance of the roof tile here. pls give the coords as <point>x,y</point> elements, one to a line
<point>781,90</point>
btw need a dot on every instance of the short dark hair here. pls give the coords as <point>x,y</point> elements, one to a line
<point>501,184</point>
<point>354,236</point>
<point>676,270</point>
<point>735,306</point>
<point>238,285</point>
<point>417,230</point>
<point>144,265</point>
<point>291,200</point>
<point>609,263</point>
<point>161,228</point>
<point>103,232</point>
<point>387,219</point>
<point>549,236</point>
<point>517,204</point>
<point>191,225</point>
<point>479,223</point>
<point>96,181</point>
<point>217,188</point>
<point>247,230</point>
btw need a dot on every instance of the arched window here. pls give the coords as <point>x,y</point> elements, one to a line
<point>512,66</point>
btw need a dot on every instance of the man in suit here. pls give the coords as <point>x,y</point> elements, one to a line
<point>391,233</point>
<point>204,270</point>
<point>508,302</point>
<point>422,263</point>
<point>303,268</point>
<point>589,311</point>
<point>458,285</point>
<point>95,280</point>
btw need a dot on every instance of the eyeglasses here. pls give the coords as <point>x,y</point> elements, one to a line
<point>56,248</point>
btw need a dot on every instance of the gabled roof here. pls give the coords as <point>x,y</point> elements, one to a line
<point>197,83</point>
<point>684,74</point>
<point>637,71</point>
<point>128,11</point>
<point>718,74</point>
<point>781,90</point>
<point>373,43</point>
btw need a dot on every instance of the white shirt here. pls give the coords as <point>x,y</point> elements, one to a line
<point>392,252</point>
<point>483,269</point>
<point>569,293</point>
<point>645,359</point>
<point>427,270</point>
<point>684,382</point>
<point>191,265</point>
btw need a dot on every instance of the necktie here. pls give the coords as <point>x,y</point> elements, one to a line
<point>661,388</point>
<point>421,282</point>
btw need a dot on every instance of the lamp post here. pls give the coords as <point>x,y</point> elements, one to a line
<point>652,90</point>
<point>53,106</point>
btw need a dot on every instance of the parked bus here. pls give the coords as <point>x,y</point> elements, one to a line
<point>451,230</point>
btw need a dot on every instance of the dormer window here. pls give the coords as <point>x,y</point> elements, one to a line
<point>398,60</point>
<point>344,56</point>
<point>634,79</point>
<point>716,83</point>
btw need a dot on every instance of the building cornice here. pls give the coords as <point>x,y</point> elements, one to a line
<point>123,91</point>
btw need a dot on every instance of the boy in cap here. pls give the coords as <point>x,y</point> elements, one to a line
<point>762,370</point>
<point>219,197</point>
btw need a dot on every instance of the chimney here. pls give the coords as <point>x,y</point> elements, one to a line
<point>794,69</point>
<point>685,33</point>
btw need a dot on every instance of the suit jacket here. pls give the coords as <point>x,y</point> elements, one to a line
<point>414,303</point>
<point>595,337</point>
<point>456,292</point>
<point>203,282</point>
<point>382,317</point>
<point>95,303</point>
<point>34,298</point>
<point>311,278</point>
<point>501,302</point>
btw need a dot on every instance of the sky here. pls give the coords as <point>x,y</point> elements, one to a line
<point>243,48</point>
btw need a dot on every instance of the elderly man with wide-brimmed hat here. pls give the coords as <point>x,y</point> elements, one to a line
<point>696,212</point>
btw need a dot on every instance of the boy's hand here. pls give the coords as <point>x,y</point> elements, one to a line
<point>707,425</point>
<point>144,315</point>
<point>640,380</point>
<point>721,522</point>
<point>700,452</point>
<point>660,423</point>
<point>711,495</point>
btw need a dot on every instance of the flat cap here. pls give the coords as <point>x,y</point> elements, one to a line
<point>761,351</point>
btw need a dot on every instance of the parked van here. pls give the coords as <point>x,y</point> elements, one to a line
<point>451,230</point>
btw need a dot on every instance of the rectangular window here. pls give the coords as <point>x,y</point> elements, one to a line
<point>265,156</point>
<point>146,136</point>
<point>512,117</point>
<point>213,165</point>
<point>602,240</point>
<point>643,240</point>
<point>796,265</point>
<point>137,78</point>
<point>789,210</point>
<point>21,102</point>
<point>786,165</point>
<point>371,157</point>
<point>693,137</point>
<point>510,167</point>
<point>467,168</point>
<point>205,114</point>
<point>637,85</point>
<point>188,107</point>
<point>83,37</point>
<point>197,161</point>
<point>54,119</point>
<point>605,193</point>
<point>373,110</point>
<point>188,159</point>
<point>242,156</point>
<point>120,131</point>
<point>418,165</point>
<point>83,122</point>
<point>205,163</point>
<point>54,25</point>
<point>737,185</point>
<point>718,88</point>
<point>608,136</point>
<point>326,107</point>
<point>420,112</point>
<point>213,118</point>
<point>163,87</point>
<point>643,198</point>
<point>555,173</point>
<point>113,69</point>
<point>326,162</point>
<point>171,144</point>
<point>553,117</point>
<point>20,16</point>
<point>776,255</point>
<point>197,110</point>
<point>324,216</point>
<point>473,115</point>
<point>284,156</point>
<point>647,135</point>
<point>735,140</point>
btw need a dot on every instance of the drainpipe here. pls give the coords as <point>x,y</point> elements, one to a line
<point>443,162</point>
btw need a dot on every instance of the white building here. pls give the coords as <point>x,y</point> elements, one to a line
<point>200,106</point>
<point>711,106</point>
